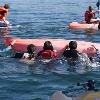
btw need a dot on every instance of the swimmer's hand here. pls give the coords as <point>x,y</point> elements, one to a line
<point>13,42</point>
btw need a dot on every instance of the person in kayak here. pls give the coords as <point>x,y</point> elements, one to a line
<point>90,16</point>
<point>5,8</point>
<point>48,52</point>
<point>4,15</point>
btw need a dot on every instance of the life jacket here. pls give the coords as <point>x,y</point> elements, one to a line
<point>3,9</point>
<point>88,16</point>
<point>1,17</point>
<point>48,54</point>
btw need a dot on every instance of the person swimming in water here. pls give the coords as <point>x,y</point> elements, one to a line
<point>29,55</point>
<point>48,52</point>
<point>75,58</point>
<point>70,51</point>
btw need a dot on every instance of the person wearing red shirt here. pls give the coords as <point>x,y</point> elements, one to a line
<point>90,16</point>
<point>48,52</point>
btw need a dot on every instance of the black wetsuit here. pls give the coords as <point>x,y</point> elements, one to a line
<point>18,55</point>
<point>71,54</point>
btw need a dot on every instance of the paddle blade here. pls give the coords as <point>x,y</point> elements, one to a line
<point>98,3</point>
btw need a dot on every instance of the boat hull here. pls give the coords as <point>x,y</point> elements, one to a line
<point>86,96</point>
<point>84,26</point>
<point>58,44</point>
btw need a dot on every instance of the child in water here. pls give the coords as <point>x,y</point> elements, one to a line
<point>29,55</point>
<point>48,52</point>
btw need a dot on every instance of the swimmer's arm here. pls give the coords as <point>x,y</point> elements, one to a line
<point>97,50</point>
<point>5,22</point>
<point>4,19</point>
<point>7,49</point>
<point>97,10</point>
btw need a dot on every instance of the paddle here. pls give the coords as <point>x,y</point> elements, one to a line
<point>98,4</point>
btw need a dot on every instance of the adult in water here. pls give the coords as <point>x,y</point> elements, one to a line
<point>90,15</point>
<point>48,52</point>
<point>70,51</point>
<point>74,57</point>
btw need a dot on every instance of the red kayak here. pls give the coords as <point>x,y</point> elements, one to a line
<point>84,26</point>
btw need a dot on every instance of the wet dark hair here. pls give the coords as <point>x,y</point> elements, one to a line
<point>90,8</point>
<point>72,44</point>
<point>6,6</point>
<point>48,46</point>
<point>31,48</point>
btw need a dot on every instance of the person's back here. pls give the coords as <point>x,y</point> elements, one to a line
<point>30,54</point>
<point>48,52</point>
<point>89,14</point>
<point>88,17</point>
<point>1,9</point>
<point>2,15</point>
<point>71,53</point>
<point>4,8</point>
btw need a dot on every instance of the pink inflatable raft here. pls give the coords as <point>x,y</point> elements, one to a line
<point>82,25</point>
<point>59,45</point>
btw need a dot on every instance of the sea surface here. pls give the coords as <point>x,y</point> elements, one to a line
<point>43,19</point>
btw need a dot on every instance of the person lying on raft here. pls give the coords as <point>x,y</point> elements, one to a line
<point>4,14</point>
<point>90,16</point>
<point>30,55</point>
<point>48,52</point>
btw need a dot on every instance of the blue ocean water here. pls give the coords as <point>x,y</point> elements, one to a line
<point>42,19</point>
